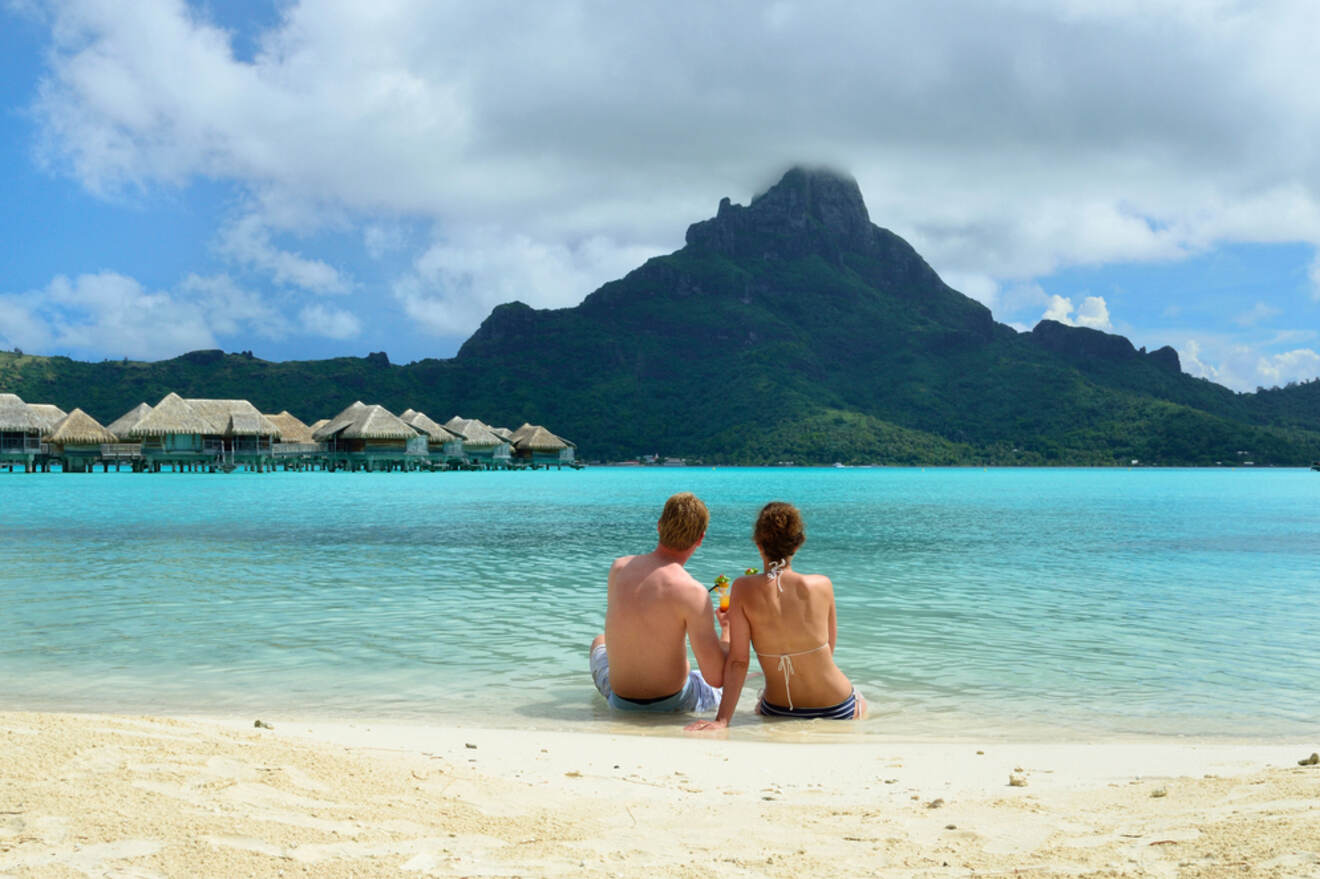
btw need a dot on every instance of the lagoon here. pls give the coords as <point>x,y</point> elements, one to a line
<point>1066,604</point>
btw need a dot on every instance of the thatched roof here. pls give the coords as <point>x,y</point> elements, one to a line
<point>233,418</point>
<point>475,434</point>
<point>80,429</point>
<point>317,425</point>
<point>503,433</point>
<point>537,439</point>
<point>331,426</point>
<point>15,416</point>
<point>47,415</point>
<point>291,429</point>
<point>121,425</point>
<point>172,415</point>
<point>435,431</point>
<point>360,421</point>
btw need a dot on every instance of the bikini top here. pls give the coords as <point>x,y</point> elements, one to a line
<point>775,572</point>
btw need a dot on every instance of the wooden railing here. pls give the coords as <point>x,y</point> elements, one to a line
<point>121,451</point>
<point>298,448</point>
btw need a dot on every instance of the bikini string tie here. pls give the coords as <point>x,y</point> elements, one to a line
<point>786,666</point>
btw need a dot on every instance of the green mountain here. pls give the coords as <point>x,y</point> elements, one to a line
<point>791,328</point>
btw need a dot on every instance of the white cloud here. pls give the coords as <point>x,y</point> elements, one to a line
<point>456,283</point>
<point>1101,131</point>
<point>248,242</point>
<point>1256,314</point>
<point>109,314</point>
<point>104,312</point>
<point>381,239</point>
<point>1059,309</point>
<point>1093,312</point>
<point>1190,357</point>
<point>1245,367</point>
<point>1068,134</point>
<point>332,323</point>
<point>1279,369</point>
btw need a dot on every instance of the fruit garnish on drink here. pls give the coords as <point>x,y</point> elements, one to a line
<point>750,571</point>
<point>721,587</point>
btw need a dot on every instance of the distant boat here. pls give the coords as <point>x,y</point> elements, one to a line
<point>1315,465</point>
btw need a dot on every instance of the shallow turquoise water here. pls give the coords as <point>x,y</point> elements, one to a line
<point>1065,603</point>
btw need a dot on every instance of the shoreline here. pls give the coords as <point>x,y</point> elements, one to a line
<point>112,794</point>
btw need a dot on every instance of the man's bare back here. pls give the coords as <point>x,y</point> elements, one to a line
<point>654,606</point>
<point>655,609</point>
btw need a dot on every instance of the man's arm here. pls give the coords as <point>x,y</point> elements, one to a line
<point>709,648</point>
<point>735,670</point>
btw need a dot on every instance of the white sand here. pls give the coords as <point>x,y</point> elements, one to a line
<point>103,795</point>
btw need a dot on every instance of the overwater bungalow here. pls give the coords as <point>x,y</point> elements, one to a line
<point>188,434</point>
<point>292,430</point>
<point>78,441</point>
<point>366,437</point>
<point>480,445</point>
<point>246,436</point>
<point>174,434</point>
<point>296,449</point>
<point>444,447</point>
<point>535,445</point>
<point>20,433</point>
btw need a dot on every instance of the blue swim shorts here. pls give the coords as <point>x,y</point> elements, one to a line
<point>696,695</point>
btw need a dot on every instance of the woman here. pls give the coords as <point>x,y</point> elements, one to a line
<point>789,618</point>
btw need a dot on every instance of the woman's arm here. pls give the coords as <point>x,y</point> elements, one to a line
<point>834,620</point>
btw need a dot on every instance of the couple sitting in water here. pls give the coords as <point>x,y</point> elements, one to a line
<point>641,663</point>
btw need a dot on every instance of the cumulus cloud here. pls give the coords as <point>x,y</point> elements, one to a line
<point>1280,368</point>
<point>248,241</point>
<point>1093,312</point>
<point>109,314</point>
<point>1097,131</point>
<point>101,312</point>
<point>1004,139</point>
<point>332,323</point>
<point>1190,357</point>
<point>456,283</point>
<point>1245,366</point>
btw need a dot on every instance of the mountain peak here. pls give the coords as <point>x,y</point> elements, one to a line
<point>808,210</point>
<point>832,198</point>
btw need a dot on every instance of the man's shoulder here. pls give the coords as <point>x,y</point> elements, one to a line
<point>681,584</point>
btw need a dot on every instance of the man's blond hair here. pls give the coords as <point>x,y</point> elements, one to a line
<point>683,522</point>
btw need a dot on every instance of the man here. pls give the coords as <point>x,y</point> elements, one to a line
<point>653,605</point>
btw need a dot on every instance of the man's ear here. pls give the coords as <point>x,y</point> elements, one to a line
<point>699,539</point>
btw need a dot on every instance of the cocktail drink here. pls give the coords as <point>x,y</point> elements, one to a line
<point>722,590</point>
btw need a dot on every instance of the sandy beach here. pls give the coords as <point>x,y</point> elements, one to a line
<point>106,795</point>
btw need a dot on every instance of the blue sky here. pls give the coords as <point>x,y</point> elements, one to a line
<point>323,178</point>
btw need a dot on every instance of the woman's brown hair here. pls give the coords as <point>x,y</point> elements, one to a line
<point>779,531</point>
